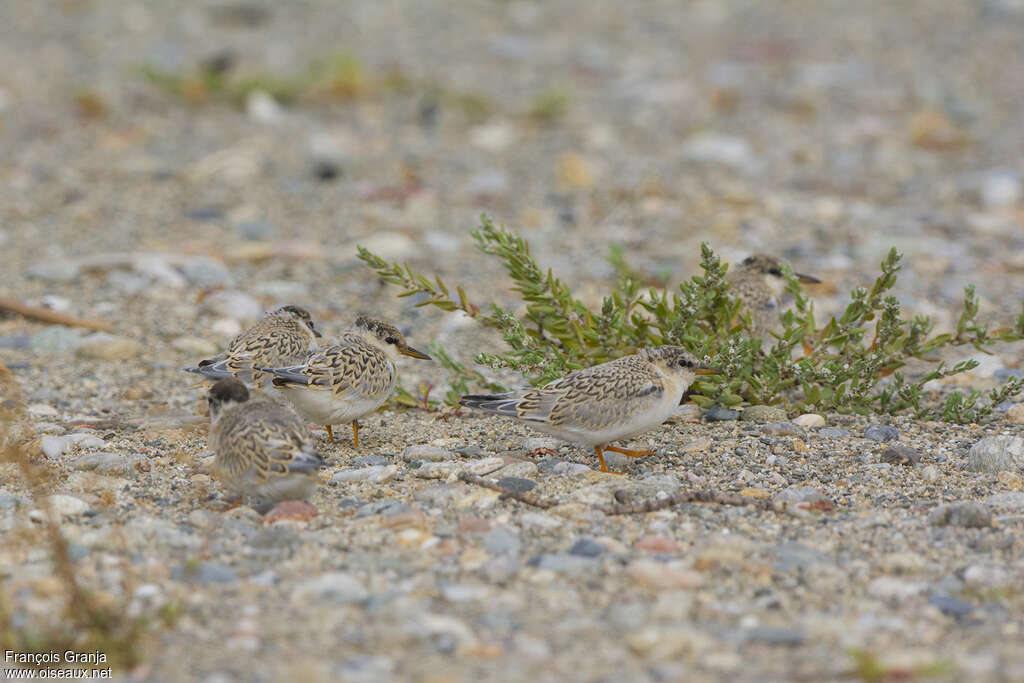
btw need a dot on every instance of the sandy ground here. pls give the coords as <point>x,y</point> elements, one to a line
<point>822,132</point>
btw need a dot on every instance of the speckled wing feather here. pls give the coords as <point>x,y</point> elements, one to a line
<point>266,437</point>
<point>350,368</point>
<point>271,342</point>
<point>592,399</point>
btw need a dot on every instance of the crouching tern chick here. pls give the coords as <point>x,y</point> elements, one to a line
<point>604,403</point>
<point>262,450</point>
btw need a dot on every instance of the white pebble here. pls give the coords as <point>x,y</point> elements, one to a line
<point>809,420</point>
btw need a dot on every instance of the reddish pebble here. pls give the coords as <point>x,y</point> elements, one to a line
<point>657,544</point>
<point>291,509</point>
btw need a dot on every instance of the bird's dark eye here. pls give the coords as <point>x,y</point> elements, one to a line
<point>685,363</point>
<point>390,340</point>
<point>776,271</point>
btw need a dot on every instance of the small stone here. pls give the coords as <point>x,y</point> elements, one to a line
<point>332,587</point>
<point>263,108</point>
<point>1010,500</point>
<point>833,432</point>
<point>437,470</point>
<point>482,466</point>
<point>102,346</point>
<point>463,592</point>
<point>930,474</point>
<point>968,514</point>
<point>717,413</point>
<point>1015,414</point>
<point>66,506</point>
<point>54,446</point>
<point>426,452</point>
<point>802,500</point>
<point>501,539</point>
<point>781,429</point>
<point>711,148</point>
<point>687,413</point>
<point>696,445</point>
<point>661,575</point>
<point>204,572</point>
<point>574,172</point>
<point>536,443</point>
<point>668,643</point>
<point>1000,189</point>
<point>950,605</point>
<point>809,420</point>
<point>890,587</point>
<point>56,339</point>
<point>756,493</point>
<point>231,303</point>
<point>586,547</point>
<point>881,433</point>
<point>516,484</point>
<point>521,469</point>
<point>901,455</point>
<point>932,129</point>
<point>763,414</point>
<point>371,460</point>
<point>204,271</point>
<point>661,545</point>
<point>109,463</point>
<point>55,272</point>
<point>295,510</point>
<point>195,346</point>
<point>996,453</point>
<point>774,635</point>
<point>564,563</point>
<point>375,474</point>
<point>256,231</point>
<point>987,576</point>
<point>569,468</point>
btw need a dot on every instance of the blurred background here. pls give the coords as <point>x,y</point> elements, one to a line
<point>274,137</point>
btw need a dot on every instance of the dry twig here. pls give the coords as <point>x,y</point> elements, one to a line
<point>47,316</point>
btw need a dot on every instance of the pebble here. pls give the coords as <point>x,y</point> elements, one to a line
<point>517,484</point>
<point>586,547</point>
<point>881,433</point>
<point>717,413</point>
<point>56,339</point>
<point>437,470</point>
<point>535,443</point>
<point>204,572</point>
<point>15,341</point>
<point>763,414</point>
<point>569,468</point>
<point>1015,414</point>
<point>781,429</point>
<point>987,576</point>
<point>103,346</point>
<point>930,474</point>
<point>128,283</point>
<point>521,469</point>
<point>969,514</point>
<point>502,540</point>
<point>564,563</point>
<point>996,453</point>
<point>204,271</point>
<point>712,148</point>
<point>662,575</point>
<point>426,452</point>
<point>54,446</point>
<point>833,432</point>
<point>109,463</point>
<point>950,605</point>
<point>688,412</point>
<point>195,346</point>
<point>65,506</point>
<point>55,272</point>
<point>667,643</point>
<point>231,303</point>
<point>774,635</point>
<point>810,420</point>
<point>1010,500</point>
<point>892,588</point>
<point>337,588</point>
<point>371,460</point>
<point>901,455</point>
<point>375,474</point>
<point>256,231</point>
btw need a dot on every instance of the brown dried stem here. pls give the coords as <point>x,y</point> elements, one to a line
<point>47,316</point>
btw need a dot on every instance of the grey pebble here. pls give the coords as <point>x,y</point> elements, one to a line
<point>881,433</point>
<point>717,413</point>
<point>517,484</point>
<point>833,432</point>
<point>586,547</point>
<point>332,587</point>
<point>566,468</point>
<point>426,452</point>
<point>203,271</point>
<point>501,540</point>
<point>259,231</point>
<point>109,463</point>
<point>370,460</point>
<point>204,572</point>
<point>969,514</point>
<point>15,341</point>
<point>383,507</point>
<point>54,272</point>
<point>56,339</point>
<point>763,414</point>
<point>996,453</point>
<point>564,563</point>
<point>901,455</point>
<point>782,429</point>
<point>774,635</point>
<point>950,605</point>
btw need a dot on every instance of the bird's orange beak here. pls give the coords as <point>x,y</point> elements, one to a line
<point>413,353</point>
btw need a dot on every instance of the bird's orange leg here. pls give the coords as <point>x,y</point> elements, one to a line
<point>238,501</point>
<point>599,452</point>
<point>355,433</point>
<point>330,433</point>
<point>628,453</point>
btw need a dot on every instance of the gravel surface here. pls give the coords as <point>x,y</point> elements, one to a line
<point>823,132</point>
